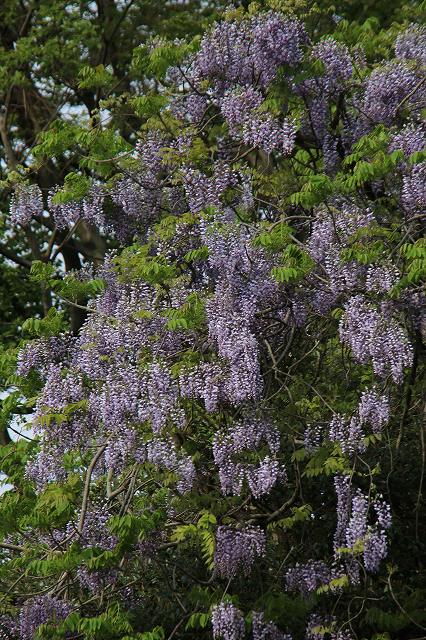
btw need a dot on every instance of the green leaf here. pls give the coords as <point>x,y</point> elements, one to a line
<point>198,621</point>
<point>94,77</point>
<point>76,186</point>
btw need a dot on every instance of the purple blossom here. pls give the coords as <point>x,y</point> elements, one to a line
<point>337,62</point>
<point>163,454</point>
<point>267,133</point>
<point>205,381</point>
<point>89,209</point>
<point>411,44</point>
<point>316,119</point>
<point>354,529</point>
<point>242,437</point>
<point>410,139</point>
<point>26,202</point>
<point>275,41</point>
<point>191,107</point>
<point>228,622</point>
<point>138,202</point>
<point>237,106</point>
<point>306,578</point>
<point>374,410</point>
<point>223,54</point>
<point>238,549</point>
<point>331,231</point>
<point>330,153</point>
<point>162,397</point>
<point>41,353</point>
<point>234,52</point>
<point>203,191</point>
<point>313,437</point>
<point>263,630</point>
<point>342,487</point>
<point>59,392</point>
<point>413,196</point>
<point>383,512</point>
<point>375,550</point>
<point>242,285</point>
<point>381,277</point>
<point>347,433</point>
<point>47,466</point>
<point>357,525</point>
<point>373,336</point>
<point>96,580</point>
<point>95,531</point>
<point>386,89</point>
<point>40,610</point>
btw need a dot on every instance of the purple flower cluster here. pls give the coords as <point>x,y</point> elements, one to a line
<point>357,524</point>
<point>40,610</point>
<point>46,467</point>
<point>89,209</point>
<point>387,88</point>
<point>139,195</point>
<point>411,44</point>
<point>246,437</point>
<point>342,487</point>
<point>238,549</point>
<point>26,202</point>
<point>95,529</point>
<point>206,381</point>
<point>263,630</point>
<point>381,278</point>
<point>242,58</point>
<point>61,420</point>
<point>375,542</point>
<point>163,454</point>
<point>374,337</point>
<point>237,52</point>
<point>95,580</point>
<point>330,154</point>
<point>313,437</point>
<point>139,201</point>
<point>228,622</point>
<point>191,107</point>
<point>337,63</point>
<point>410,139</point>
<point>242,285</point>
<point>347,433</point>
<point>265,132</point>
<point>275,41</point>
<point>413,196</point>
<point>354,531</point>
<point>203,191</point>
<point>374,409</point>
<point>41,353</point>
<point>306,578</point>
<point>330,234</point>
<point>240,109</point>
<point>237,106</point>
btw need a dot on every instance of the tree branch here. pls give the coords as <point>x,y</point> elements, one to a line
<point>10,255</point>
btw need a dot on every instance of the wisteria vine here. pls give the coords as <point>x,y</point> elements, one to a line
<point>240,370</point>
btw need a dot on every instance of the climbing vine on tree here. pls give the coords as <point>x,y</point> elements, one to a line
<point>230,443</point>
